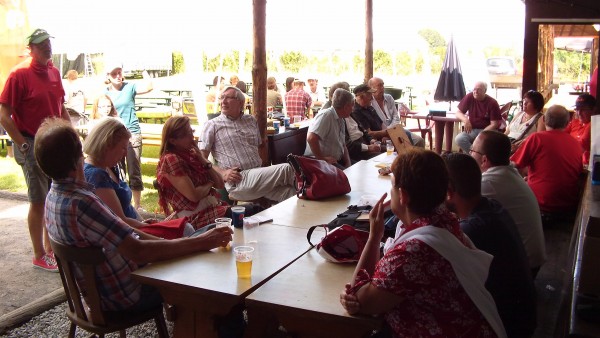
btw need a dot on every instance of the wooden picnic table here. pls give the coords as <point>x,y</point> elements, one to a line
<point>205,286</point>
<point>443,125</point>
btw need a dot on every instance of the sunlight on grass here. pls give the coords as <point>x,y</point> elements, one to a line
<point>11,178</point>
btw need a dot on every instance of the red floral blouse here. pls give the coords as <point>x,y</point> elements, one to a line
<point>434,302</point>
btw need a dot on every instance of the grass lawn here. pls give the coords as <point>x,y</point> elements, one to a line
<point>11,178</point>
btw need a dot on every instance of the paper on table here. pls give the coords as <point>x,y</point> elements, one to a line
<point>262,219</point>
<point>386,161</point>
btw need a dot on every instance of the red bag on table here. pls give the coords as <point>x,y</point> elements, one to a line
<point>317,179</point>
<point>170,229</point>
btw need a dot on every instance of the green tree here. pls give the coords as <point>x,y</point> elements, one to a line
<point>404,63</point>
<point>293,61</point>
<point>573,66</point>
<point>382,62</point>
<point>178,63</point>
<point>358,64</point>
<point>433,37</point>
<point>437,48</point>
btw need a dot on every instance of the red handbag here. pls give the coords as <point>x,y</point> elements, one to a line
<point>317,179</point>
<point>343,244</point>
<point>168,229</point>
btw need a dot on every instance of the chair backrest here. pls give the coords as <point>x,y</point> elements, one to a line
<point>504,110</point>
<point>290,142</point>
<point>504,114</point>
<point>85,259</point>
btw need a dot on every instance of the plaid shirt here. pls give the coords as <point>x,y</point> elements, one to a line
<point>297,101</point>
<point>76,216</point>
<point>174,165</point>
<point>233,143</point>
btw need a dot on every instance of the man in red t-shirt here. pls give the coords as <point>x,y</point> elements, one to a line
<point>477,111</point>
<point>551,160</point>
<point>580,126</point>
<point>32,93</point>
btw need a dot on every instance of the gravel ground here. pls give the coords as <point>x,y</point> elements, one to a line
<point>54,323</point>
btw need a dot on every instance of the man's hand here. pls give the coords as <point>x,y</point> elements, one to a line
<point>379,134</point>
<point>217,237</point>
<point>232,175</point>
<point>468,126</point>
<point>374,148</point>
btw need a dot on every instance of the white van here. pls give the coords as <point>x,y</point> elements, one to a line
<point>501,66</point>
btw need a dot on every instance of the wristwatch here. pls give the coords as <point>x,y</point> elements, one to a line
<point>24,147</point>
<point>207,165</point>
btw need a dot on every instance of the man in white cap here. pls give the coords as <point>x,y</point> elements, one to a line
<point>32,93</point>
<point>316,94</point>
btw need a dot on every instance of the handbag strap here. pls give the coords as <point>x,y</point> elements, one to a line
<point>300,176</point>
<point>528,127</point>
<point>311,230</point>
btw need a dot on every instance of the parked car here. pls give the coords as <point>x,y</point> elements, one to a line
<point>501,66</point>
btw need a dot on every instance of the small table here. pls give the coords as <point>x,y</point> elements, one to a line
<point>443,125</point>
<point>205,285</point>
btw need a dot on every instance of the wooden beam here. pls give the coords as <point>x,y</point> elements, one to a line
<point>530,53</point>
<point>259,75</point>
<point>369,40</point>
<point>30,310</point>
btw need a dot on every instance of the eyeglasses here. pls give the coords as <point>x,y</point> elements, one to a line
<point>475,151</point>
<point>223,98</point>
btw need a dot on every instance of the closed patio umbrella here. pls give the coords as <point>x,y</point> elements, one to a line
<point>451,86</point>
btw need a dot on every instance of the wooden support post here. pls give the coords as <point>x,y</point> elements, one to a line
<point>259,74</point>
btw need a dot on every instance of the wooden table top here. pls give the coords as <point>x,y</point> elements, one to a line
<point>310,285</point>
<point>364,180</point>
<point>215,271</point>
<point>450,116</point>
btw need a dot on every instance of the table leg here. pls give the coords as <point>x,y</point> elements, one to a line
<point>439,135</point>
<point>449,126</point>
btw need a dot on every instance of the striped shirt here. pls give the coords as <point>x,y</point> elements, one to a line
<point>76,216</point>
<point>233,143</point>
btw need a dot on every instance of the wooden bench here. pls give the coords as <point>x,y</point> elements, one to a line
<point>4,137</point>
<point>152,134</point>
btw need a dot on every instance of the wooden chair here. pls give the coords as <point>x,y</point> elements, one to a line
<point>86,312</point>
<point>504,114</point>
<point>426,130</point>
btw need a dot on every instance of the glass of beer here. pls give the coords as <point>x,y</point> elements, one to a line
<point>243,260</point>
<point>389,147</point>
<point>224,222</point>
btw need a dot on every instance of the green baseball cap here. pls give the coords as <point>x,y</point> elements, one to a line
<point>38,35</point>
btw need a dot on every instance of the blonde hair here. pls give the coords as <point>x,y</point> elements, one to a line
<point>72,75</point>
<point>103,136</point>
<point>112,113</point>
